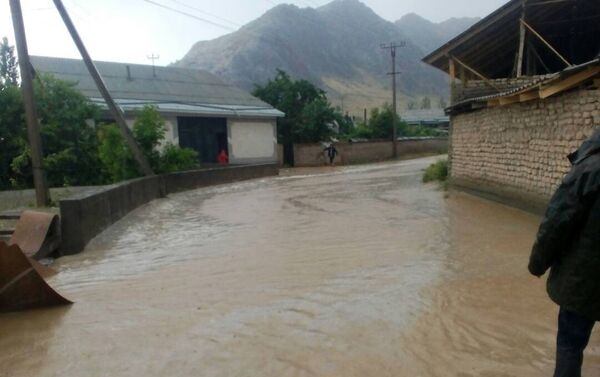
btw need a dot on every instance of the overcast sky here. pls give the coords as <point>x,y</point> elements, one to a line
<point>130,30</point>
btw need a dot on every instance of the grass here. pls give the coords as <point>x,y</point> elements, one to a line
<point>437,172</point>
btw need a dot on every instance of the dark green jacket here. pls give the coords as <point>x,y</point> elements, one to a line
<point>568,240</point>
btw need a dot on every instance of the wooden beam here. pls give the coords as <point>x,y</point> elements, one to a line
<point>493,103</point>
<point>485,79</point>
<point>568,83</point>
<point>452,73</point>
<point>522,36</point>
<point>546,43</point>
<point>597,83</point>
<point>529,96</point>
<point>549,2</point>
<point>509,100</point>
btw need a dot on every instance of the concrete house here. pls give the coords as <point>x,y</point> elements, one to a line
<point>525,92</point>
<point>202,111</point>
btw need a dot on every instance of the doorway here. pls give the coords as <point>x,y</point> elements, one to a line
<point>207,136</point>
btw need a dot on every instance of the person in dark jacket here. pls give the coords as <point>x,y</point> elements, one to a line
<point>331,153</point>
<point>568,242</point>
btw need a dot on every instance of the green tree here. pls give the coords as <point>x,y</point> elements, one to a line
<point>308,114</point>
<point>8,64</point>
<point>12,132</point>
<point>117,160</point>
<point>68,138</point>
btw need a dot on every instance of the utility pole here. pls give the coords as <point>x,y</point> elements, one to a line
<point>115,111</point>
<point>153,58</point>
<point>42,194</point>
<point>392,47</point>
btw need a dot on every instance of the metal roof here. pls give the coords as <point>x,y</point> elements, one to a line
<point>426,115</point>
<point>170,89</point>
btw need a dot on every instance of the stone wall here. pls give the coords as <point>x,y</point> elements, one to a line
<point>517,153</point>
<point>365,152</point>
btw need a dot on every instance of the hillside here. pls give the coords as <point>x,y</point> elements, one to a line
<point>428,35</point>
<point>336,46</point>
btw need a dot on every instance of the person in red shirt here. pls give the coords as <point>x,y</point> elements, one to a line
<point>223,158</point>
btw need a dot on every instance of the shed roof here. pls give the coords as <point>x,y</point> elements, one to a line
<point>490,46</point>
<point>425,116</point>
<point>170,89</point>
<point>541,88</point>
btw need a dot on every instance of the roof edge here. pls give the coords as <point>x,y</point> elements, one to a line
<point>443,51</point>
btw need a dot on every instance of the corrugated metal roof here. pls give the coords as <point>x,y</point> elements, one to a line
<point>425,115</point>
<point>187,90</point>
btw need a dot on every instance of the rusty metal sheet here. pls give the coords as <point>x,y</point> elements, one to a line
<point>37,234</point>
<point>21,285</point>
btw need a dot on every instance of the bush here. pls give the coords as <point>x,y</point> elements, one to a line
<point>149,132</point>
<point>117,160</point>
<point>436,172</point>
<point>174,158</point>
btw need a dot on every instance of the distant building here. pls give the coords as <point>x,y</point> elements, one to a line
<point>434,118</point>
<point>202,112</point>
<point>525,92</point>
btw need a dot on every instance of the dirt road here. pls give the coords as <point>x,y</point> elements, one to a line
<point>357,271</point>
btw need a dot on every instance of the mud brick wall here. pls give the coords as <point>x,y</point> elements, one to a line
<point>517,153</point>
<point>365,152</point>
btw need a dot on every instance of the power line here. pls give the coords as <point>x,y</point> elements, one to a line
<point>206,13</point>
<point>189,15</point>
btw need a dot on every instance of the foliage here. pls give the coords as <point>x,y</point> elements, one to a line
<point>174,158</point>
<point>8,64</point>
<point>116,159</point>
<point>12,132</point>
<point>436,172</point>
<point>149,132</point>
<point>380,123</point>
<point>308,113</point>
<point>69,142</point>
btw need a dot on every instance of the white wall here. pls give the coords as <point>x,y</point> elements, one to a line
<point>171,132</point>
<point>252,141</point>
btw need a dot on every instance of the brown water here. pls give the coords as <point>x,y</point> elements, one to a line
<point>358,271</point>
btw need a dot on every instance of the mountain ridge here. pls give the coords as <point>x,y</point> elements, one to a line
<point>336,46</point>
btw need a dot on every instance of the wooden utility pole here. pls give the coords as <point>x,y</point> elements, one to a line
<point>392,47</point>
<point>522,37</point>
<point>42,194</point>
<point>115,111</point>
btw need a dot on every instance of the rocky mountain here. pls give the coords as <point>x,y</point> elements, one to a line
<point>428,35</point>
<point>336,46</point>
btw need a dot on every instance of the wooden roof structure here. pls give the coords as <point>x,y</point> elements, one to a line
<point>524,37</point>
<point>584,75</point>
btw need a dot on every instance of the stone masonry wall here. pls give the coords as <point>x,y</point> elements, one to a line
<point>518,152</point>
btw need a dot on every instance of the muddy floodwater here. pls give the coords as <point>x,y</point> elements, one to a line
<point>354,271</point>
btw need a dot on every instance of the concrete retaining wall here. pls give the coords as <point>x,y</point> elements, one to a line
<point>85,216</point>
<point>517,153</point>
<point>365,152</point>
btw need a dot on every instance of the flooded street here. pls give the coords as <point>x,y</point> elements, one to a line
<point>351,271</point>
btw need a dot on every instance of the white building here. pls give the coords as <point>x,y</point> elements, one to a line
<point>202,111</point>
